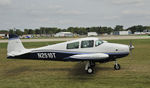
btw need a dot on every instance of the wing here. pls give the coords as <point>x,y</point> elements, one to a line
<point>93,56</point>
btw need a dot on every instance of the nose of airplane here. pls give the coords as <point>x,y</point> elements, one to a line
<point>118,48</point>
<point>121,48</point>
<point>124,48</point>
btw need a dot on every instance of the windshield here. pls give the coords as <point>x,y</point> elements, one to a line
<point>98,42</point>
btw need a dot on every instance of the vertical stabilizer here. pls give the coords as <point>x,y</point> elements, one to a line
<point>15,46</point>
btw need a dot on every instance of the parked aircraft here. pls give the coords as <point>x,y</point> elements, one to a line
<point>88,49</point>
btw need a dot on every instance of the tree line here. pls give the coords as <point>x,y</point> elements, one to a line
<point>76,30</point>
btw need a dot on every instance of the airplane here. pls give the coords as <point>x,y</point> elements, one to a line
<point>89,50</point>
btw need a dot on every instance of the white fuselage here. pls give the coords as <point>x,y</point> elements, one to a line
<point>105,47</point>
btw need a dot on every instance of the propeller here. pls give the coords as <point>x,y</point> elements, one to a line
<point>131,47</point>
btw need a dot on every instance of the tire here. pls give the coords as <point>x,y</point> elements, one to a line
<point>90,70</point>
<point>117,67</point>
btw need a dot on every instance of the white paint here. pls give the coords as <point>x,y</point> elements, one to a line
<point>124,32</point>
<point>64,34</point>
<point>92,34</point>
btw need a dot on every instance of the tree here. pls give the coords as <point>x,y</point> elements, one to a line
<point>18,32</point>
<point>31,31</point>
<point>26,31</point>
<point>37,31</point>
<point>138,28</point>
<point>4,31</point>
<point>71,29</point>
<point>147,28</point>
<point>108,30</point>
<point>118,28</point>
<point>11,31</point>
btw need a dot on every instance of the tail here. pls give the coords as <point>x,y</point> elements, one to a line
<point>15,46</point>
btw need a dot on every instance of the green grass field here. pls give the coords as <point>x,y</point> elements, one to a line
<point>135,72</point>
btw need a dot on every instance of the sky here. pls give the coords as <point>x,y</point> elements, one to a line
<point>73,13</point>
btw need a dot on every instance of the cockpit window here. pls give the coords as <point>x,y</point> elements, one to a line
<point>87,43</point>
<point>73,45</point>
<point>98,42</point>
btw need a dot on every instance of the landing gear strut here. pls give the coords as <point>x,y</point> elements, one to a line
<point>117,66</point>
<point>89,67</point>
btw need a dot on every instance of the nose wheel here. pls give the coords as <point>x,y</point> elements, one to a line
<point>117,66</point>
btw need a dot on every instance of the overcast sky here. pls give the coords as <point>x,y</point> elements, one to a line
<point>65,13</point>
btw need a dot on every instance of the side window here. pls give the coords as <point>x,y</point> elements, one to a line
<point>98,42</point>
<point>73,45</point>
<point>87,43</point>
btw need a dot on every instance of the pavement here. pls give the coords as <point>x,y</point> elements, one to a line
<point>68,39</point>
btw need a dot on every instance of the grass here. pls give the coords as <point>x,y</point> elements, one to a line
<point>135,72</point>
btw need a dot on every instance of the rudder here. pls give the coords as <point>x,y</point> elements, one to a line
<point>15,45</point>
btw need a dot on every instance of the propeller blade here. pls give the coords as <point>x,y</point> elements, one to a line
<point>131,47</point>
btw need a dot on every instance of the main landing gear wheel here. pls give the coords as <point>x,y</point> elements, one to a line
<point>90,70</point>
<point>89,67</point>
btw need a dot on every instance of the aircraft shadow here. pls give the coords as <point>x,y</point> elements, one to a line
<point>79,69</point>
<point>16,71</point>
<point>76,72</point>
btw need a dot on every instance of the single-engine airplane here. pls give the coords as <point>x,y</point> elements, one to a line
<point>88,49</point>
